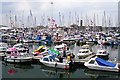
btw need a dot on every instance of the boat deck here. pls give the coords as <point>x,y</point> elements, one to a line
<point>77,60</point>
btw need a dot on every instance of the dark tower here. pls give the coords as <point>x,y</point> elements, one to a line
<point>81,22</point>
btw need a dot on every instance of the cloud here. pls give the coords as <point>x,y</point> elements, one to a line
<point>43,7</point>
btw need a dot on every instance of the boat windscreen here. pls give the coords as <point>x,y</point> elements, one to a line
<point>45,59</point>
<point>102,62</point>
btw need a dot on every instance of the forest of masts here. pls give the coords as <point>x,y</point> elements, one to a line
<point>22,21</point>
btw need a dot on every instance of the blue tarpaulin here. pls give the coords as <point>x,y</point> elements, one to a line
<point>38,38</point>
<point>102,62</point>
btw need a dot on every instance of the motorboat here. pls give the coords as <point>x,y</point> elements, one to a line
<point>12,55</point>
<point>62,47</point>
<point>97,63</point>
<point>21,47</point>
<point>69,40</point>
<point>84,52</point>
<point>3,48</point>
<point>51,61</point>
<point>102,53</point>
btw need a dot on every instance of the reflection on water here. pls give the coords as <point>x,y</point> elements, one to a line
<point>12,69</point>
<point>41,71</point>
<point>98,74</point>
<point>56,73</point>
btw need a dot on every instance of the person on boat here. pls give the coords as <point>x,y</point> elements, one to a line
<point>72,56</point>
<point>60,59</point>
<point>64,53</point>
<point>68,58</point>
<point>71,64</point>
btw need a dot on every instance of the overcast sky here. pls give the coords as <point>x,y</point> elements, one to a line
<point>42,9</point>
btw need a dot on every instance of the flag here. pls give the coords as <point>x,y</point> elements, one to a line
<point>53,52</point>
<point>48,19</point>
<point>53,20</point>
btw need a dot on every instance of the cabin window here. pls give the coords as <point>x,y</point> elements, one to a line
<point>45,59</point>
<point>8,52</point>
<point>91,62</point>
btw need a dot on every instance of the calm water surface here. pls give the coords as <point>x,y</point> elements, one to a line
<point>38,70</point>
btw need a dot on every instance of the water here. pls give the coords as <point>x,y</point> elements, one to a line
<point>38,70</point>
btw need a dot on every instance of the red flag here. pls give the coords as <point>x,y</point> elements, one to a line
<point>48,19</point>
<point>53,20</point>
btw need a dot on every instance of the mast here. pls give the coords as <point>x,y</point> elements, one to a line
<point>23,19</point>
<point>63,20</point>
<point>28,21</point>
<point>15,21</point>
<point>75,17</point>
<point>104,19</point>
<point>60,19</point>
<point>51,14</point>
<point>7,22</point>
<point>31,19</point>
<point>35,21</point>
<point>11,23</point>
<point>69,19</point>
<point>94,19</point>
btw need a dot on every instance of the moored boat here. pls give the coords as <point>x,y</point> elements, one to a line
<point>102,53</point>
<point>100,64</point>
<point>51,61</point>
<point>3,48</point>
<point>84,52</point>
<point>13,56</point>
<point>21,47</point>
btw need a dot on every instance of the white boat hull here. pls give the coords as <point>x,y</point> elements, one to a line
<point>81,55</point>
<point>102,68</point>
<point>92,64</point>
<point>56,64</point>
<point>17,60</point>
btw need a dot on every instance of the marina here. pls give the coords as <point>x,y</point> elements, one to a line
<point>73,41</point>
<point>36,67</point>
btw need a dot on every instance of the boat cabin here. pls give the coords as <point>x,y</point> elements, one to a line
<point>12,52</point>
<point>102,51</point>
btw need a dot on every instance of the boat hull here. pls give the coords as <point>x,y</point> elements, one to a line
<point>17,60</point>
<point>102,68</point>
<point>56,65</point>
<point>84,55</point>
<point>100,64</point>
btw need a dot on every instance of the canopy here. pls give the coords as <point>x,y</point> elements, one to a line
<point>11,49</point>
<point>53,52</point>
<point>38,38</point>
<point>102,62</point>
<point>40,47</point>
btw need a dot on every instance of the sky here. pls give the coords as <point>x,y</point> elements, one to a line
<point>63,12</point>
